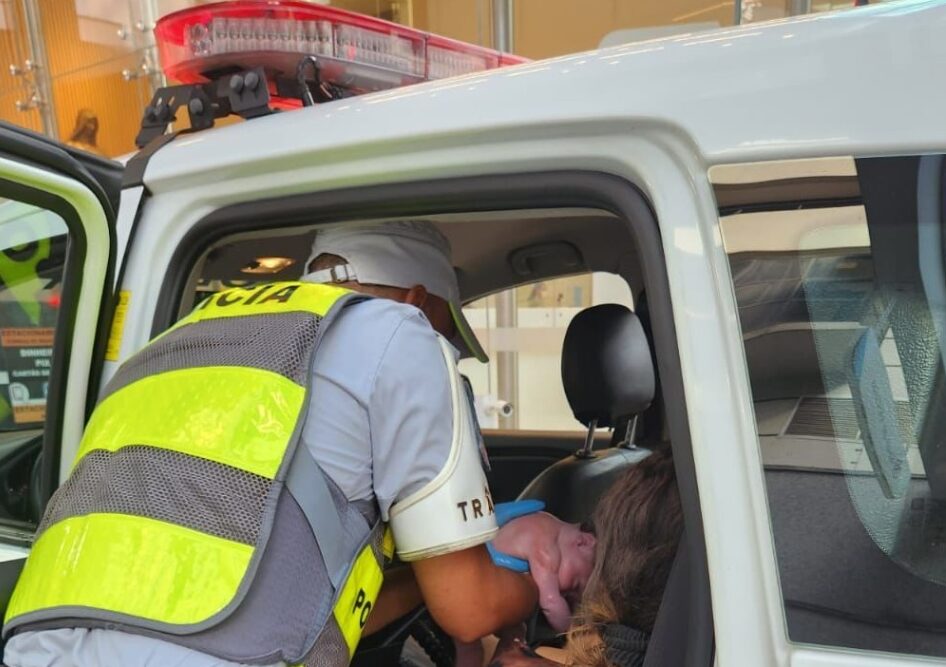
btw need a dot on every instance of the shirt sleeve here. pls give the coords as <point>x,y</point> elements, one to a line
<point>410,413</point>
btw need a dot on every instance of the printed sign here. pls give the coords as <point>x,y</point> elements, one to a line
<point>26,355</point>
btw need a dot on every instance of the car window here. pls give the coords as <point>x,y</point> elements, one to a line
<point>522,331</point>
<point>32,254</point>
<point>32,257</point>
<point>838,271</point>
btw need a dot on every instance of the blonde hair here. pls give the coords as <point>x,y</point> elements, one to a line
<point>638,523</point>
<point>584,646</point>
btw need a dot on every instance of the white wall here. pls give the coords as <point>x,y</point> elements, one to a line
<point>538,338</point>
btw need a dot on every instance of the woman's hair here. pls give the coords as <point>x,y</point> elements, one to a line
<point>87,127</point>
<point>638,523</point>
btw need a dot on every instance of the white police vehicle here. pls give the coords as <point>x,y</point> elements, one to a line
<point>773,196</point>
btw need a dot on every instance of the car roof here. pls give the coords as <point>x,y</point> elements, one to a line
<point>813,85</point>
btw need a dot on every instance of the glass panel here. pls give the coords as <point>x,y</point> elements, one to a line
<point>546,28</point>
<point>32,257</point>
<point>754,11</point>
<point>465,20</point>
<point>11,110</point>
<point>543,313</point>
<point>12,45</point>
<point>86,110</point>
<point>839,272</point>
<point>32,254</point>
<point>17,89</point>
<point>398,11</point>
<point>84,32</point>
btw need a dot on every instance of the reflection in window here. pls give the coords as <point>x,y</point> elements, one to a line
<point>32,253</point>
<point>838,309</point>
<point>544,310</point>
<point>33,244</point>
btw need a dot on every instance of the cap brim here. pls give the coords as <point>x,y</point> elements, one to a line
<point>465,340</point>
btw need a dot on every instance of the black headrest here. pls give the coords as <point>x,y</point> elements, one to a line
<point>606,365</point>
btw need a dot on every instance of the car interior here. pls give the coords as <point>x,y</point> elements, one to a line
<point>608,370</point>
<point>492,251</point>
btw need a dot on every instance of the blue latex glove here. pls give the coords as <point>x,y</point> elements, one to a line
<point>506,512</point>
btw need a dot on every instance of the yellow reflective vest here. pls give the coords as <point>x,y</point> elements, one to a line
<point>190,512</point>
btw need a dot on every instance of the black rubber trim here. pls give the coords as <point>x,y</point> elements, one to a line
<point>100,175</point>
<point>554,189</point>
<point>103,178</point>
<point>794,205</point>
<point>802,188</point>
<point>65,324</point>
<point>134,174</point>
<point>109,303</point>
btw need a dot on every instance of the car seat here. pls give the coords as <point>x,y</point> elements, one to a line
<point>608,375</point>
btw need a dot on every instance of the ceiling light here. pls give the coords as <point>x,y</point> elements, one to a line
<point>268,265</point>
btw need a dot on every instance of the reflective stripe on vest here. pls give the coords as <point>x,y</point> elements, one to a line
<point>172,495</point>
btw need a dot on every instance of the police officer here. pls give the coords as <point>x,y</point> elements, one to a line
<point>246,475</point>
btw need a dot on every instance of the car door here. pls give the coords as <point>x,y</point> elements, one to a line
<point>56,259</point>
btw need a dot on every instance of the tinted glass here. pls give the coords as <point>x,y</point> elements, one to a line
<point>32,255</point>
<point>32,258</point>
<point>527,347</point>
<point>838,271</point>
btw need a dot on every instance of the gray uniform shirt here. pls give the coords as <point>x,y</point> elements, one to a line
<point>380,424</point>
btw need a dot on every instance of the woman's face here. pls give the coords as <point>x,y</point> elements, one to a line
<point>578,560</point>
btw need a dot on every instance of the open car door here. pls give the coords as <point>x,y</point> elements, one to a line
<point>56,260</point>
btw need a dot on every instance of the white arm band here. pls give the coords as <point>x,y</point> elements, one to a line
<point>455,510</point>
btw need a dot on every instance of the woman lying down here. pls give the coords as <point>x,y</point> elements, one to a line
<point>623,569</point>
<point>612,575</point>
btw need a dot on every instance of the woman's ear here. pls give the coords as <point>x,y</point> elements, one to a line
<point>586,539</point>
<point>416,296</point>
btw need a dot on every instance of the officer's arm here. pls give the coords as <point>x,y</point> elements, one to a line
<point>441,528</point>
<point>426,458</point>
<point>398,597</point>
<point>469,597</point>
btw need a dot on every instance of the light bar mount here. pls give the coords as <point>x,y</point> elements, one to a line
<point>244,93</point>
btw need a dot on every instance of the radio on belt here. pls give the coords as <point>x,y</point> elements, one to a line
<point>251,57</point>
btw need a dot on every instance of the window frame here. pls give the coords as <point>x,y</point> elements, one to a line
<point>83,190</point>
<point>550,189</point>
<point>37,187</point>
<point>76,247</point>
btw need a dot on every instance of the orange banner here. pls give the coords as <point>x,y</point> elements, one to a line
<point>29,414</point>
<point>27,337</point>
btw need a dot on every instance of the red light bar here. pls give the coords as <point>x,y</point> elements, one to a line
<point>356,53</point>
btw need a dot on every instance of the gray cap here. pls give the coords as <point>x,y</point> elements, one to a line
<point>401,253</point>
